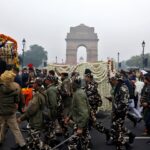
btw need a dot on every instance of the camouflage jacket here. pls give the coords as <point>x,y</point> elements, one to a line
<point>121,98</point>
<point>91,90</point>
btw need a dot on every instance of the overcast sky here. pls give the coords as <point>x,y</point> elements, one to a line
<point>121,25</point>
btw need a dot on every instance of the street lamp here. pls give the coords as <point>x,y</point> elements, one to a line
<point>143,45</point>
<point>23,48</point>
<point>56,59</point>
<point>118,60</point>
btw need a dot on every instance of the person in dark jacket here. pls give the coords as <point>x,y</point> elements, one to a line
<point>25,78</point>
<point>17,77</point>
<point>145,102</point>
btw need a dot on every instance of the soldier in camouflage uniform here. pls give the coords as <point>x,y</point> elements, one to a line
<point>126,131</point>
<point>79,116</point>
<point>120,107</point>
<point>145,102</point>
<point>95,101</point>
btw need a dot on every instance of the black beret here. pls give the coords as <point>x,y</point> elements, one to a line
<point>87,71</point>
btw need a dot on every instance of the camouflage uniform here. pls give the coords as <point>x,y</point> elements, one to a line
<point>94,97</point>
<point>120,106</point>
<point>95,101</point>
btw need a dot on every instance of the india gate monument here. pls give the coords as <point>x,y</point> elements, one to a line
<point>85,36</point>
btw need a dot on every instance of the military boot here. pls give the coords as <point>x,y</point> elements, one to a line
<point>131,137</point>
<point>17,147</point>
<point>128,146</point>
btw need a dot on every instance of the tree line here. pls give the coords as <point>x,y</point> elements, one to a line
<point>36,55</point>
<point>137,61</point>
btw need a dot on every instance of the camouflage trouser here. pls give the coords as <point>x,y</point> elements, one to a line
<point>93,120</point>
<point>118,129</point>
<point>97,124</point>
<point>80,142</point>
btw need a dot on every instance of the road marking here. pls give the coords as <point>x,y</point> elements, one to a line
<point>140,137</point>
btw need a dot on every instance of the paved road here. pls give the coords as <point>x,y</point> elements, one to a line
<point>99,139</point>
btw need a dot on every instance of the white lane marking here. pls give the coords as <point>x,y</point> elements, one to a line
<point>140,137</point>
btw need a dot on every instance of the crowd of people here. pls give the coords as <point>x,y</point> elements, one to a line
<point>66,104</point>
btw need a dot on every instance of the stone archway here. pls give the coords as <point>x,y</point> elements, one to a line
<point>81,36</point>
<point>81,54</point>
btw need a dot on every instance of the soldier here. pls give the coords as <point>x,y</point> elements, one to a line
<point>9,93</point>
<point>145,102</point>
<point>51,92</point>
<point>112,99</point>
<point>66,93</point>
<point>120,107</point>
<point>52,73</point>
<point>34,112</point>
<point>79,115</point>
<point>94,99</point>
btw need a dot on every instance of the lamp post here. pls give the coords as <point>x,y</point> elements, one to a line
<point>143,46</point>
<point>118,60</point>
<point>56,59</point>
<point>23,48</point>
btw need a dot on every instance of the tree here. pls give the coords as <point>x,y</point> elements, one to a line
<point>35,55</point>
<point>137,61</point>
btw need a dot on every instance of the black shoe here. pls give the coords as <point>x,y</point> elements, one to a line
<point>17,147</point>
<point>23,147</point>
<point>128,146</point>
<point>90,144</point>
<point>1,144</point>
<point>131,137</point>
<point>107,133</point>
<point>110,142</point>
